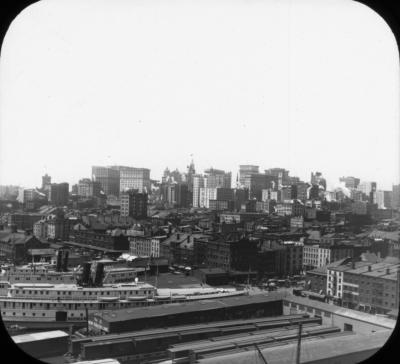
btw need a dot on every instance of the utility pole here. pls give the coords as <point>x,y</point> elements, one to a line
<point>87,321</point>
<point>299,344</point>
<point>261,354</point>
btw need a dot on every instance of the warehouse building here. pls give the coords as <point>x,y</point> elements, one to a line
<point>168,315</point>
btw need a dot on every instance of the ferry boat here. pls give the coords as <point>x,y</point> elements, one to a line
<point>45,305</point>
<point>46,273</point>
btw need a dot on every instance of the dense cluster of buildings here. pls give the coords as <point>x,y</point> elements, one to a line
<point>266,224</point>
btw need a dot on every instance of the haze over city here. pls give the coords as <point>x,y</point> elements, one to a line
<point>275,85</point>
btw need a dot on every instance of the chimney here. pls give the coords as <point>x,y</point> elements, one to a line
<point>353,264</point>
<point>369,268</point>
<point>85,278</point>
<point>59,257</point>
<point>98,280</point>
<point>387,270</point>
<point>65,261</point>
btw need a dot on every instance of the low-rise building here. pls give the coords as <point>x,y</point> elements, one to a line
<point>15,246</point>
<point>318,255</point>
<point>142,246</point>
<point>365,286</point>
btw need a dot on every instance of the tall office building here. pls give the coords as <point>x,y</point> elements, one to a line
<point>188,177</point>
<point>171,176</point>
<point>218,194</point>
<point>387,199</point>
<point>246,170</point>
<point>177,194</point>
<point>257,182</point>
<point>369,189</point>
<point>317,179</point>
<point>33,199</point>
<point>396,197</point>
<point>59,194</point>
<point>134,178</point>
<point>281,174</point>
<point>46,180</point>
<point>216,178</point>
<point>88,188</point>
<point>205,195</point>
<point>198,182</point>
<point>350,182</point>
<point>108,178</point>
<point>133,204</point>
<point>379,199</point>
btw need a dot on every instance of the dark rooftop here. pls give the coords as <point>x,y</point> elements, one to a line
<point>176,308</point>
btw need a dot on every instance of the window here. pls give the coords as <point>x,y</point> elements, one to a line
<point>348,327</point>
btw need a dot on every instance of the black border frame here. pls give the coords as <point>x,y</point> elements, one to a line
<point>387,9</point>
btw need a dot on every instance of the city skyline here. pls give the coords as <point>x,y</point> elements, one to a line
<point>330,183</point>
<point>268,90</point>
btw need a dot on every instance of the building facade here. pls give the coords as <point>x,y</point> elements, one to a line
<point>88,188</point>
<point>108,179</point>
<point>135,178</point>
<point>59,194</point>
<point>134,204</point>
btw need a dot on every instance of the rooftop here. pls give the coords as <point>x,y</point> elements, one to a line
<point>178,308</point>
<point>318,349</point>
<point>346,312</point>
<point>377,270</point>
<point>37,336</point>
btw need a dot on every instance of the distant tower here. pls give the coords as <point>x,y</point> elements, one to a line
<point>46,180</point>
<point>191,171</point>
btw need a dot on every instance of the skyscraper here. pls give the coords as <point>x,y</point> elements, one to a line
<point>88,188</point>
<point>216,178</point>
<point>198,182</point>
<point>134,178</point>
<point>108,179</point>
<point>246,170</point>
<point>317,179</point>
<point>350,182</point>
<point>396,197</point>
<point>59,194</point>
<point>46,180</point>
<point>191,171</point>
<point>281,174</point>
<point>369,189</point>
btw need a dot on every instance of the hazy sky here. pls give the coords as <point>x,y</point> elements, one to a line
<point>304,85</point>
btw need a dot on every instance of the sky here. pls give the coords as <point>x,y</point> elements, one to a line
<point>302,85</point>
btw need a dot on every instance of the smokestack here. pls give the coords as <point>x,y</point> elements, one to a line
<point>85,280</point>
<point>59,257</point>
<point>98,280</point>
<point>65,261</point>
